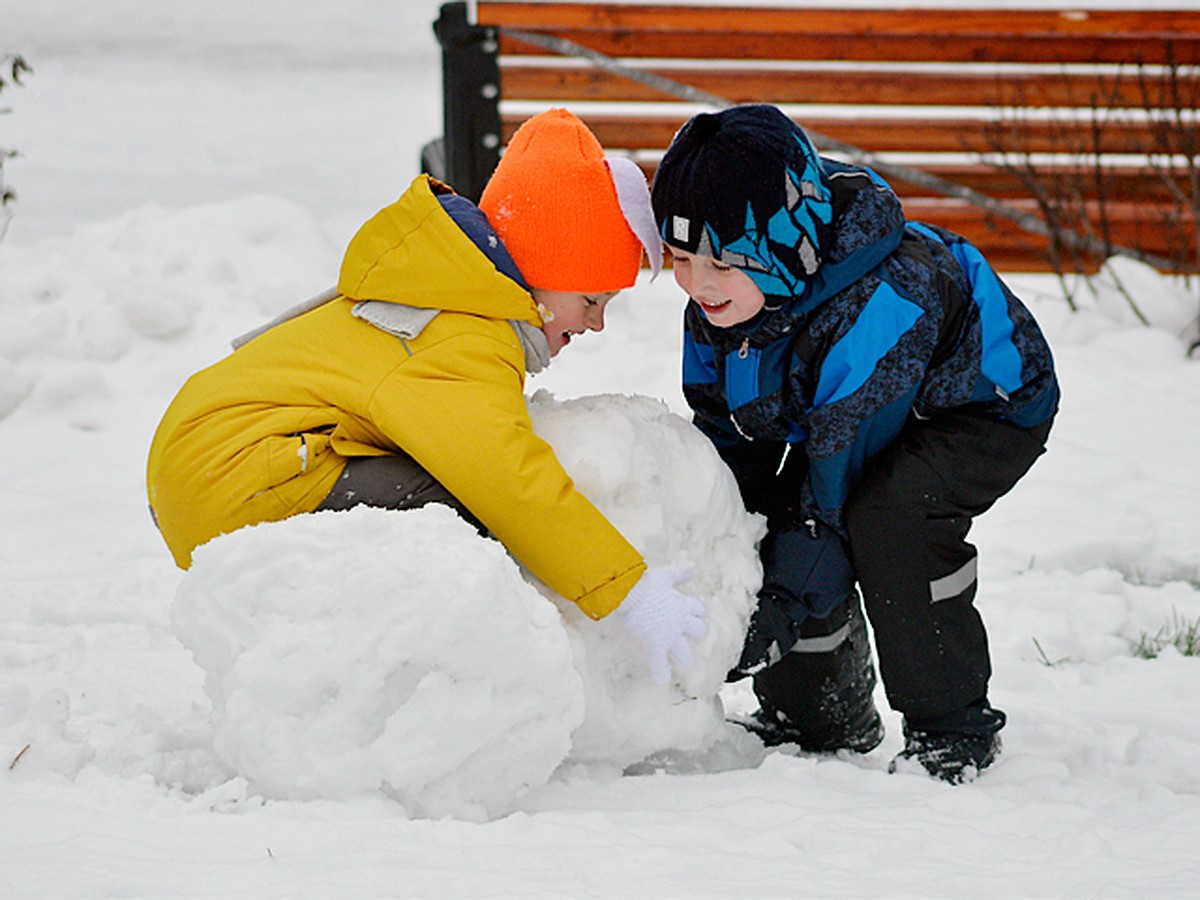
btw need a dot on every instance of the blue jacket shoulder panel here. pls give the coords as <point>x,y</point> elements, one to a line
<point>854,358</point>
<point>1011,360</point>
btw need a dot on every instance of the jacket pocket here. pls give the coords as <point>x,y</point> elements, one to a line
<point>288,467</point>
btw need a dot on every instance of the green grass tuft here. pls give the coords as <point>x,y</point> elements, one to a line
<point>1183,635</point>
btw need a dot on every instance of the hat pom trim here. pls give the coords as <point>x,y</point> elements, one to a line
<point>633,197</point>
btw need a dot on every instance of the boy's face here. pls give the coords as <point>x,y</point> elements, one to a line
<point>727,295</point>
<point>568,313</point>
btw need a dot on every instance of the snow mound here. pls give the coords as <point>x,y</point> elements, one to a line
<point>376,651</point>
<point>119,291</point>
<point>370,650</point>
<point>662,484</point>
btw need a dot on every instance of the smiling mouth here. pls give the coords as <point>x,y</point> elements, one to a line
<point>714,307</point>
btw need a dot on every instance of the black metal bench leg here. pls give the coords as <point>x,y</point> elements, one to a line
<point>470,145</point>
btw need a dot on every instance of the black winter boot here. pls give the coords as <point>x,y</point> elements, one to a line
<point>819,694</point>
<point>955,747</point>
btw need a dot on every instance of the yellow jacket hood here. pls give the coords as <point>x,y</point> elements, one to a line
<point>408,245</point>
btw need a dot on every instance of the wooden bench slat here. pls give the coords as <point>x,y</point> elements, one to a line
<point>1130,224</point>
<point>1139,184</point>
<point>847,20</point>
<point>951,35</point>
<point>840,86</point>
<point>1123,215</point>
<point>901,133</point>
<point>983,48</point>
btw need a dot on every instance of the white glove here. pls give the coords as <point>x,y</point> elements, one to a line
<point>662,619</point>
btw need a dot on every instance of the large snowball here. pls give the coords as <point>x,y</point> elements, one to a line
<point>662,484</point>
<point>380,651</point>
<point>377,651</point>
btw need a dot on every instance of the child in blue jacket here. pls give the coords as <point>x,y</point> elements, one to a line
<point>874,386</point>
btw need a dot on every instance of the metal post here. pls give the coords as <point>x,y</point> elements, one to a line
<point>470,102</point>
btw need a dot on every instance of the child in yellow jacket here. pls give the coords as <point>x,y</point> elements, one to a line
<point>407,386</point>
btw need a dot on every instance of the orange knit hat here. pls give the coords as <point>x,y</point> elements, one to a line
<point>554,204</point>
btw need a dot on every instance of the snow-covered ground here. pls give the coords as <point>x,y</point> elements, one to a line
<point>368,704</point>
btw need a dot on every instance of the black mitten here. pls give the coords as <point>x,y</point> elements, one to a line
<point>806,573</point>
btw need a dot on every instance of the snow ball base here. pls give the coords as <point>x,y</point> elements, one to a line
<point>398,652</point>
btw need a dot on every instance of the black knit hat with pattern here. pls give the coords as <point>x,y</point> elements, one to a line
<point>744,186</point>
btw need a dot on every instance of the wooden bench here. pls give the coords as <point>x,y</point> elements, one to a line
<point>991,122</point>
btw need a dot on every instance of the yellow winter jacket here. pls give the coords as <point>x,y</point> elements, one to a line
<point>264,433</point>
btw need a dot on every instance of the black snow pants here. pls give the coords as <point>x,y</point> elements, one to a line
<point>907,520</point>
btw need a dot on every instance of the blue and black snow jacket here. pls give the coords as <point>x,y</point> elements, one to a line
<point>902,321</point>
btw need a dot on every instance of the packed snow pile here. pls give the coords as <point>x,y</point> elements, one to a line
<point>369,650</point>
<point>116,292</point>
<point>663,485</point>
<point>398,652</point>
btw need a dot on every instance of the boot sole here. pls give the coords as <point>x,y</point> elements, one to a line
<point>862,741</point>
